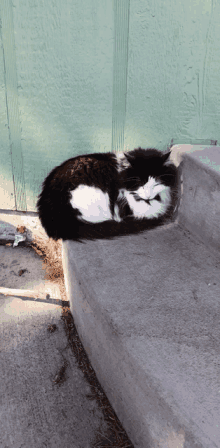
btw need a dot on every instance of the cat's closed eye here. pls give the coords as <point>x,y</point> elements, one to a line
<point>157,198</point>
<point>138,198</point>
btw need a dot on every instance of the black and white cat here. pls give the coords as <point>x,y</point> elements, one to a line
<point>105,194</point>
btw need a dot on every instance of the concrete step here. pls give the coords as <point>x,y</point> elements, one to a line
<point>147,308</point>
<point>200,205</point>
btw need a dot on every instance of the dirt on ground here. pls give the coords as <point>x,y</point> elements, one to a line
<point>50,252</point>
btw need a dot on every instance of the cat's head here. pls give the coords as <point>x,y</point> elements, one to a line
<point>147,164</point>
<point>150,176</point>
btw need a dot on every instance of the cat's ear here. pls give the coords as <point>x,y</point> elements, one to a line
<point>166,156</point>
<point>130,158</point>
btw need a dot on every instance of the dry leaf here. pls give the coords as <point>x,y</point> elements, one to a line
<point>21,229</point>
<point>22,271</point>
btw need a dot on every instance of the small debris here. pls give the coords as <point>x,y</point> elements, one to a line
<point>47,296</point>
<point>9,244</point>
<point>21,235</point>
<point>64,414</point>
<point>21,229</point>
<point>195,296</point>
<point>22,271</point>
<point>52,328</point>
<point>61,375</point>
<point>19,238</point>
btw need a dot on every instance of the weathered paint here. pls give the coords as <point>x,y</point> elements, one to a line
<point>64,56</point>
<point>11,102</point>
<point>98,75</point>
<point>7,199</point>
<point>173,72</point>
<point>120,67</point>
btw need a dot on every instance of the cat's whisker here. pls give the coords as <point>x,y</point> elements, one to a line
<point>133,182</point>
<point>168,175</point>
<point>129,179</point>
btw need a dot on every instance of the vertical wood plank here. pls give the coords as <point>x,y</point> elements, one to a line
<point>64,61</point>
<point>7,199</point>
<point>120,67</point>
<point>173,73</point>
<point>12,104</point>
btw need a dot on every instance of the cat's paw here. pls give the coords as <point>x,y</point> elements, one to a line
<point>116,214</point>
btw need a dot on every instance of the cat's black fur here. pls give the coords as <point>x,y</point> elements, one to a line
<point>101,170</point>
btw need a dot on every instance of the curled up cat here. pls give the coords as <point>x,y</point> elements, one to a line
<point>102,195</point>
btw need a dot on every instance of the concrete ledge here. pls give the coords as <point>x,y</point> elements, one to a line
<point>200,204</point>
<point>146,308</point>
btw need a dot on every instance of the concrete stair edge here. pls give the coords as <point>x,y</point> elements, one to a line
<point>199,209</point>
<point>108,349</point>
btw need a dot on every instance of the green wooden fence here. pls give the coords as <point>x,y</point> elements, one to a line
<point>101,75</point>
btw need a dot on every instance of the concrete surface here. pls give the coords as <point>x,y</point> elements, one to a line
<point>147,311</point>
<point>11,220</point>
<point>35,411</point>
<point>200,205</point>
<point>46,400</point>
<point>21,269</point>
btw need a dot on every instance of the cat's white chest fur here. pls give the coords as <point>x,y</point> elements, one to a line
<point>148,192</point>
<point>92,203</point>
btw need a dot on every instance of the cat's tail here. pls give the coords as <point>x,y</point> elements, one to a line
<point>57,216</point>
